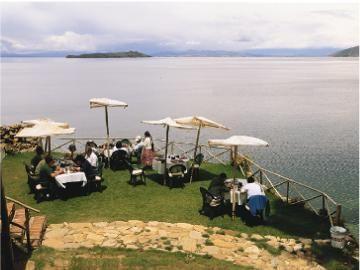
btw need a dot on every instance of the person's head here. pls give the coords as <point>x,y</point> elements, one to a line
<point>39,150</point>
<point>118,145</point>
<point>138,139</point>
<point>72,148</point>
<point>250,179</point>
<point>88,150</point>
<point>79,159</point>
<point>49,160</point>
<point>147,134</point>
<point>223,176</point>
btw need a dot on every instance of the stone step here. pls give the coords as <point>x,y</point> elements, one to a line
<point>19,218</point>
<point>37,230</point>
<point>11,210</point>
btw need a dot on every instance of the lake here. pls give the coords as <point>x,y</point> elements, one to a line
<point>306,108</point>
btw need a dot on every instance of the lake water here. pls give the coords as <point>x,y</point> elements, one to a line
<point>306,108</point>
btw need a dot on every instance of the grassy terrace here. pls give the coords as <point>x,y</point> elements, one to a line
<point>121,201</point>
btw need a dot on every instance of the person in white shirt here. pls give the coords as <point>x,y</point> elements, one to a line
<point>91,157</point>
<point>252,188</point>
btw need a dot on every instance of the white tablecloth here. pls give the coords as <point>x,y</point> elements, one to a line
<point>238,197</point>
<point>186,162</point>
<point>159,166</point>
<point>70,178</point>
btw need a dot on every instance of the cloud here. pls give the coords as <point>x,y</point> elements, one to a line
<point>70,41</point>
<point>179,26</point>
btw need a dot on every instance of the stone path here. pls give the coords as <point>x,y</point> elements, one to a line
<point>226,245</point>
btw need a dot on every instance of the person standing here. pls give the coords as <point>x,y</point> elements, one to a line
<point>147,154</point>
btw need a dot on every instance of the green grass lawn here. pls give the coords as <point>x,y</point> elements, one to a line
<point>121,201</point>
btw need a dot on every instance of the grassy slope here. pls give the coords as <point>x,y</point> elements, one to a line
<point>121,201</point>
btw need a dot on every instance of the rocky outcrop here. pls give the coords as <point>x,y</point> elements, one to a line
<point>261,252</point>
<point>11,144</point>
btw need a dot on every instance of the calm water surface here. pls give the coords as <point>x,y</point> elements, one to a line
<point>306,108</point>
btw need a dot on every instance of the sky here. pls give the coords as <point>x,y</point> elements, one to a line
<point>170,26</point>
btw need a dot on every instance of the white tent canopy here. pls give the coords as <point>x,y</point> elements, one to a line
<point>199,122</point>
<point>102,102</point>
<point>239,141</point>
<point>167,122</point>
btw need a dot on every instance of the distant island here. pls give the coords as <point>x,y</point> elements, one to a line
<point>350,52</point>
<point>129,54</point>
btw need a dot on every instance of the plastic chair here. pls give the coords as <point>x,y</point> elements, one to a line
<point>212,205</point>
<point>176,172</point>
<point>135,174</point>
<point>118,160</point>
<point>196,165</point>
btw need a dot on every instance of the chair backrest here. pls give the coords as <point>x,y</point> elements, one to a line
<point>199,158</point>
<point>177,170</point>
<point>125,141</point>
<point>206,195</point>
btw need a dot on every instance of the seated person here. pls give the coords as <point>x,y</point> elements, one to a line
<point>120,146</point>
<point>138,147</point>
<point>38,157</point>
<point>72,152</point>
<point>93,146</point>
<point>257,200</point>
<point>217,186</point>
<point>85,166</point>
<point>48,171</point>
<point>91,157</point>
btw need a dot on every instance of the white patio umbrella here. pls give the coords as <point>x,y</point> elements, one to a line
<point>106,102</point>
<point>44,128</point>
<point>198,122</point>
<point>167,122</point>
<point>236,141</point>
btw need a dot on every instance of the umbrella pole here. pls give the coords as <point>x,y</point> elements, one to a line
<point>166,152</point>
<point>49,145</point>
<point>234,161</point>
<point>107,133</point>
<point>195,152</point>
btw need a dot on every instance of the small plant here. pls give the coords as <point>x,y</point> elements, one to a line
<point>207,256</point>
<point>205,235</point>
<point>210,231</point>
<point>169,248</point>
<point>222,232</point>
<point>238,235</point>
<point>208,242</point>
<point>147,230</point>
<point>163,238</point>
<point>179,247</point>
<point>241,249</point>
<point>167,242</point>
<point>189,257</point>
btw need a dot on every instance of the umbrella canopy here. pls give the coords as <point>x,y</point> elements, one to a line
<point>239,141</point>
<point>102,102</point>
<point>106,102</point>
<point>167,122</point>
<point>44,128</point>
<point>199,122</point>
<point>235,141</point>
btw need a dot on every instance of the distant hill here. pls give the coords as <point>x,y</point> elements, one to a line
<point>129,54</point>
<point>350,52</point>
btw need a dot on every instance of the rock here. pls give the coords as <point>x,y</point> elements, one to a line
<point>297,247</point>
<point>80,226</point>
<point>30,265</point>
<point>60,233</point>
<point>244,235</point>
<point>252,250</point>
<point>185,226</point>
<point>109,243</point>
<point>153,223</point>
<point>136,229</point>
<point>224,244</point>
<point>188,244</point>
<point>273,243</point>
<point>289,248</point>
<point>129,239</point>
<point>195,235</point>
<point>322,241</point>
<point>256,237</point>
<point>71,245</point>
<point>305,241</point>
<point>95,238</point>
<point>55,226</point>
<point>100,224</point>
<point>270,237</point>
<point>212,250</point>
<point>53,243</point>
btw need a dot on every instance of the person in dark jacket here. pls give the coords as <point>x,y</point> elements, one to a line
<point>217,186</point>
<point>38,156</point>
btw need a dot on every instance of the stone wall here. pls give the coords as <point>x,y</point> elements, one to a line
<point>10,144</point>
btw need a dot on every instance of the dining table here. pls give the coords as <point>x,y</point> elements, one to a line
<point>159,163</point>
<point>70,177</point>
<point>235,196</point>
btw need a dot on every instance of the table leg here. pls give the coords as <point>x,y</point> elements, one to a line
<point>233,205</point>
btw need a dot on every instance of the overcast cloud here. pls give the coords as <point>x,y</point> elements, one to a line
<point>29,27</point>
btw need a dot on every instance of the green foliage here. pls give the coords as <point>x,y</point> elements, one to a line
<point>130,54</point>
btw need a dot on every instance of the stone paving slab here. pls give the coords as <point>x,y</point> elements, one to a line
<point>183,237</point>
